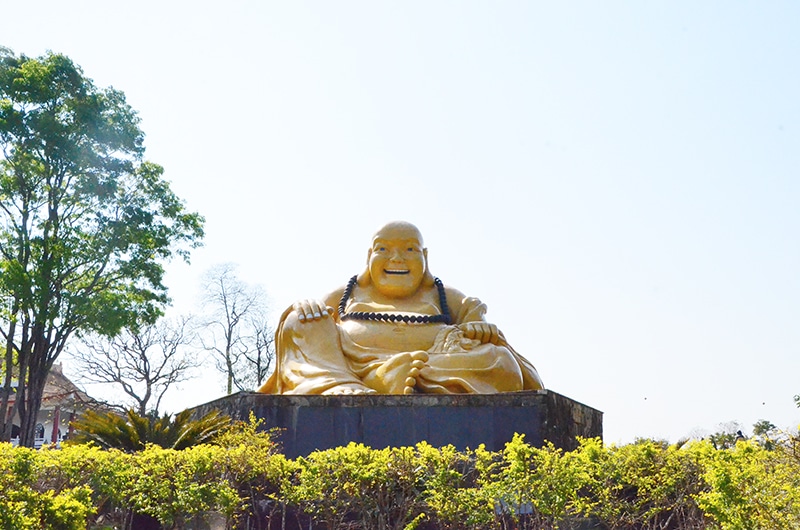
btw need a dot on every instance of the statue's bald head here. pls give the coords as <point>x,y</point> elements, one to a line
<point>397,257</point>
<point>399,230</point>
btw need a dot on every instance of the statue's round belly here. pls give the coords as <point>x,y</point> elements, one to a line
<point>392,336</point>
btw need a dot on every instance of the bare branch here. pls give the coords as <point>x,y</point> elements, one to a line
<point>236,331</point>
<point>144,363</point>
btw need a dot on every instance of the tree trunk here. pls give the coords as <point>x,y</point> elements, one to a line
<point>6,415</point>
<point>7,425</point>
<point>33,403</point>
<point>38,368</point>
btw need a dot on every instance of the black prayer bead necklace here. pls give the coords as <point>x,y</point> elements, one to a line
<point>390,317</point>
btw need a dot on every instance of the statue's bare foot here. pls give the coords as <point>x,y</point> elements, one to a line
<point>398,374</point>
<point>349,389</point>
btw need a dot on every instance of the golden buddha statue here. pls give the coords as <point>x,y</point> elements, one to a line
<point>395,329</point>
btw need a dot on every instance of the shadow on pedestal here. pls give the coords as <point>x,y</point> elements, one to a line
<point>309,423</point>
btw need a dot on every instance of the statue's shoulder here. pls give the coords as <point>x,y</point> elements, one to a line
<point>332,298</point>
<point>464,308</point>
<point>453,294</point>
<point>455,298</point>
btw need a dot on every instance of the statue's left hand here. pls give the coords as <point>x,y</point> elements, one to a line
<point>309,310</point>
<point>482,331</point>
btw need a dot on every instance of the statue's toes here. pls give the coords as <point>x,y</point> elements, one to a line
<point>420,356</point>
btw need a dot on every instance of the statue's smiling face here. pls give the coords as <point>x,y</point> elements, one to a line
<point>397,260</point>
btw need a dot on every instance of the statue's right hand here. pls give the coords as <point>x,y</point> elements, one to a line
<point>308,310</point>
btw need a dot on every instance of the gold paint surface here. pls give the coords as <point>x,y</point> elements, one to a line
<point>320,353</point>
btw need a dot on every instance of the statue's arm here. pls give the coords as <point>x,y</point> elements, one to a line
<point>468,314</point>
<point>312,309</point>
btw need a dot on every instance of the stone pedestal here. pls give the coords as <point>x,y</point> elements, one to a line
<point>309,423</point>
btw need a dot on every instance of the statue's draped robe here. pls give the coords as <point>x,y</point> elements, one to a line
<point>319,357</point>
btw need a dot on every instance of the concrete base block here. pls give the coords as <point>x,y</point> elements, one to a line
<point>310,423</point>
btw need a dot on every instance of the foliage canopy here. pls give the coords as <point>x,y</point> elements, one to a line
<point>85,222</point>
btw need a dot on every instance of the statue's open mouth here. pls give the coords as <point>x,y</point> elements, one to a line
<point>391,271</point>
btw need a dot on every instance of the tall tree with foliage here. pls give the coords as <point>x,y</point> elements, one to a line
<point>85,222</point>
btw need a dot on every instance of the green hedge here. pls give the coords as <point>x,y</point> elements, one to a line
<point>250,484</point>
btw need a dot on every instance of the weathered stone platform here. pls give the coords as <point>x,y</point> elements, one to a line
<point>463,420</point>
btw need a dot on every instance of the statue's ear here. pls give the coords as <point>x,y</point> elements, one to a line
<point>364,278</point>
<point>427,279</point>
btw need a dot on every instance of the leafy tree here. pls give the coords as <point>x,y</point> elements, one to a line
<point>238,334</point>
<point>144,362</point>
<point>728,434</point>
<point>85,221</point>
<point>766,433</point>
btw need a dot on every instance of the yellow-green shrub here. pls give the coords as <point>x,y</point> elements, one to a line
<point>26,503</point>
<point>255,468</point>
<point>644,485</point>
<point>376,487</point>
<point>751,487</point>
<point>534,487</point>
<point>452,493</point>
<point>173,485</point>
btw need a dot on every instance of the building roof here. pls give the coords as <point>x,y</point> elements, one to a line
<point>60,392</point>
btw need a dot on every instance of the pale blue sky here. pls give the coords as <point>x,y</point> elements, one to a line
<point>617,180</point>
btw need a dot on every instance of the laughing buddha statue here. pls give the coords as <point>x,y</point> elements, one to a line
<point>395,329</point>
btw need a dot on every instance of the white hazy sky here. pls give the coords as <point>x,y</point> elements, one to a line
<point>618,181</point>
